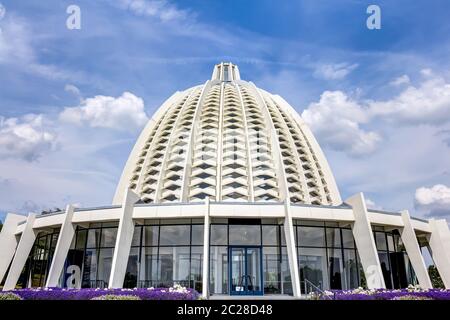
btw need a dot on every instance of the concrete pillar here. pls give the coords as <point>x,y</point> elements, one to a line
<point>439,242</point>
<point>8,241</point>
<point>365,243</point>
<point>23,251</point>
<point>291,249</point>
<point>123,240</point>
<point>65,238</point>
<point>409,240</point>
<point>205,276</point>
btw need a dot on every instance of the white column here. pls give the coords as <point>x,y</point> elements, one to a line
<point>409,240</point>
<point>8,241</point>
<point>439,242</point>
<point>123,241</point>
<point>365,243</point>
<point>291,249</point>
<point>65,238</point>
<point>23,250</point>
<point>205,276</point>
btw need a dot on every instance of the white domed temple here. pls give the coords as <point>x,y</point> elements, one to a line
<point>228,192</point>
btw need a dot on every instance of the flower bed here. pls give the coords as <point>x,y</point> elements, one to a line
<point>410,293</point>
<point>173,293</point>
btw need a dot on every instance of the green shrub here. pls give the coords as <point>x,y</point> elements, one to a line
<point>116,297</point>
<point>436,279</point>
<point>9,296</point>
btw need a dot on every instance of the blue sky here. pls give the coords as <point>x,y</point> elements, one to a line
<point>378,101</point>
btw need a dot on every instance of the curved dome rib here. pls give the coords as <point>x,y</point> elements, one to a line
<point>229,141</point>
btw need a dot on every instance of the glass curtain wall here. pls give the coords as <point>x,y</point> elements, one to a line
<point>165,252</point>
<point>327,256</point>
<point>395,265</point>
<point>88,263</point>
<point>39,261</point>
<point>267,234</point>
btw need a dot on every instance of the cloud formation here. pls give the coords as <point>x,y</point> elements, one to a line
<point>336,121</point>
<point>162,9</point>
<point>428,103</point>
<point>404,79</point>
<point>334,71</point>
<point>27,138</point>
<point>124,113</point>
<point>436,200</point>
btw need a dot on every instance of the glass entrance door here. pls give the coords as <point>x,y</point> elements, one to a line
<point>245,270</point>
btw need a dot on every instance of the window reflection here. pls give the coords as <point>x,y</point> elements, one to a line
<point>327,256</point>
<point>165,254</point>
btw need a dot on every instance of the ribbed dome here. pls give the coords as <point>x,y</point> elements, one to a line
<point>230,141</point>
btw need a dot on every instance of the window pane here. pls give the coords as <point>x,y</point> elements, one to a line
<point>313,268</point>
<point>196,268</point>
<point>136,236</point>
<point>93,239</point>
<point>386,269</point>
<point>150,235</point>
<point>347,238</point>
<point>109,237</point>
<point>81,239</point>
<point>218,267</point>
<point>245,235</point>
<point>350,270</point>
<point>335,266</point>
<point>272,270</point>
<point>148,273</point>
<point>54,241</point>
<point>381,240</point>
<point>311,236</point>
<point>104,266</point>
<point>197,234</point>
<point>390,240</point>
<point>333,237</point>
<point>90,269</point>
<point>132,269</point>
<point>174,265</point>
<point>175,235</point>
<point>219,234</point>
<point>270,235</point>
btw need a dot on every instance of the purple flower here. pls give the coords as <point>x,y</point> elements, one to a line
<point>175,293</point>
<point>384,294</point>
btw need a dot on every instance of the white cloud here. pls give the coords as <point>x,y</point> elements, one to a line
<point>428,103</point>
<point>2,11</point>
<point>435,199</point>
<point>15,41</point>
<point>27,138</point>
<point>404,79</point>
<point>336,120</point>
<point>426,72</point>
<point>334,71</point>
<point>124,113</point>
<point>17,50</point>
<point>372,205</point>
<point>72,89</point>
<point>161,9</point>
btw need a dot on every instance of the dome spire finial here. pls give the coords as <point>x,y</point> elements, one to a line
<point>226,71</point>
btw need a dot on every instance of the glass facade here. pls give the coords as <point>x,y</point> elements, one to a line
<point>165,252</point>
<point>247,256</point>
<point>39,261</point>
<point>88,263</point>
<point>395,265</point>
<point>327,256</point>
<point>258,254</point>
